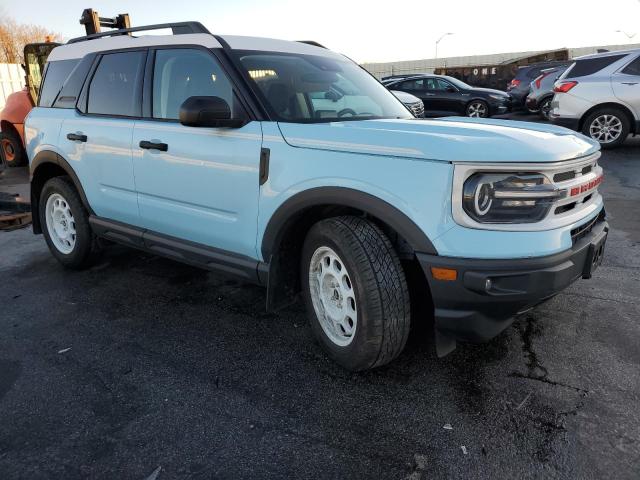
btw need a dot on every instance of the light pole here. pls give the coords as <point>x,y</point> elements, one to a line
<point>628,35</point>
<point>438,41</point>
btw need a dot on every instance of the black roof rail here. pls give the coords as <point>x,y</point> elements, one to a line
<point>312,42</point>
<point>179,28</point>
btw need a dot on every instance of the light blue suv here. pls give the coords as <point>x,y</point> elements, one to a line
<point>288,165</point>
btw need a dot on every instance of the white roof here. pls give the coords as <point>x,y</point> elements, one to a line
<point>82,48</point>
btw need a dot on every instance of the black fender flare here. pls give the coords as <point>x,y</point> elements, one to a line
<point>296,205</point>
<point>43,158</point>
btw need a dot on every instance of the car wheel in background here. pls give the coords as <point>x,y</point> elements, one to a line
<point>608,126</point>
<point>65,223</point>
<point>355,292</point>
<point>11,149</point>
<point>477,109</point>
<point>545,108</point>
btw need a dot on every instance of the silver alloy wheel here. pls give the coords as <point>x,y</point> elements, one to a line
<point>545,108</point>
<point>60,223</point>
<point>605,128</point>
<point>477,109</point>
<point>333,297</point>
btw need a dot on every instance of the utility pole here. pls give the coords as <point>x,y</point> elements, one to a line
<point>437,42</point>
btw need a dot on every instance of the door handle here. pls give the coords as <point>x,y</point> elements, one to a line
<point>163,147</point>
<point>76,137</point>
<point>629,83</point>
<point>430,94</point>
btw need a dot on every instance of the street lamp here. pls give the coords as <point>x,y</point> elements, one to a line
<point>438,41</point>
<point>628,35</point>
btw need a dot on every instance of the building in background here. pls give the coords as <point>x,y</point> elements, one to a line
<point>493,71</point>
<point>11,80</point>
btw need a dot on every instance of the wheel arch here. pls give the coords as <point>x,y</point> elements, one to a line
<point>44,166</point>
<point>287,228</point>
<point>295,207</point>
<point>618,106</point>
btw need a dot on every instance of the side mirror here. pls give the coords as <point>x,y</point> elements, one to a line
<point>212,112</point>
<point>451,90</point>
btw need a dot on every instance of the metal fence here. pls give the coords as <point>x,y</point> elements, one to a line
<point>11,80</point>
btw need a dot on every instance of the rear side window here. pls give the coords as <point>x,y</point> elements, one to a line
<point>633,68</point>
<point>115,88</point>
<point>412,85</point>
<point>54,77</point>
<point>589,66</point>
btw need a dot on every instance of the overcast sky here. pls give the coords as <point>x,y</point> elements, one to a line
<point>373,31</point>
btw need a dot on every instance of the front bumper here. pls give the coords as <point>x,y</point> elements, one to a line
<point>468,309</point>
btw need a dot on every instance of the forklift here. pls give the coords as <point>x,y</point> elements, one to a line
<point>19,104</point>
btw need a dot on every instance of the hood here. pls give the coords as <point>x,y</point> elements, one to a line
<point>405,97</point>
<point>454,139</point>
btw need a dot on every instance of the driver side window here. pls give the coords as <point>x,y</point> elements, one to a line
<point>182,73</point>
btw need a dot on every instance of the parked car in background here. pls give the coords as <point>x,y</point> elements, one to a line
<point>600,96</point>
<point>412,102</point>
<point>519,87</point>
<point>541,90</point>
<point>445,96</point>
<point>394,78</point>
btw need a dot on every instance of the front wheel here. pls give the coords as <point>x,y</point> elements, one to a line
<point>609,126</point>
<point>477,109</point>
<point>65,223</point>
<point>356,292</point>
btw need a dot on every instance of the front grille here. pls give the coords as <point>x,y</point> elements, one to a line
<point>582,231</point>
<point>567,178</point>
<point>417,109</point>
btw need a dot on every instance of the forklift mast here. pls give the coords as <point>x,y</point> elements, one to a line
<point>93,22</point>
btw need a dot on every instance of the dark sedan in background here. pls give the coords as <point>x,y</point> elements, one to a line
<point>520,86</point>
<point>445,96</point>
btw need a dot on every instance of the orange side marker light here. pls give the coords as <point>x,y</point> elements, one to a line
<point>445,274</point>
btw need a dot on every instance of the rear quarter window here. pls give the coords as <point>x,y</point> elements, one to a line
<point>589,66</point>
<point>54,77</point>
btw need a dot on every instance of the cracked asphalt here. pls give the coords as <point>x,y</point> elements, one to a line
<point>140,363</point>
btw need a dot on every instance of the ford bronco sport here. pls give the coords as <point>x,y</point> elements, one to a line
<point>288,165</point>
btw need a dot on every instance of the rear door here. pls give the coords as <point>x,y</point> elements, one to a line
<point>96,138</point>
<point>202,185</point>
<point>626,85</point>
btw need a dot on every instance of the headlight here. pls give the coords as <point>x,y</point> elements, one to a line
<point>508,197</point>
<point>502,98</point>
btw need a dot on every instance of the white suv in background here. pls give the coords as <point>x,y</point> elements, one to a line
<point>600,96</point>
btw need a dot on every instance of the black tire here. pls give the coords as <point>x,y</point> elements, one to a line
<point>85,245</point>
<point>12,151</point>
<point>545,108</point>
<point>474,103</point>
<point>379,285</point>
<point>614,112</point>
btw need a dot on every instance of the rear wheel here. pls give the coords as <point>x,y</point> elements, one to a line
<point>477,109</point>
<point>355,292</point>
<point>11,149</point>
<point>65,223</point>
<point>545,108</point>
<point>608,126</point>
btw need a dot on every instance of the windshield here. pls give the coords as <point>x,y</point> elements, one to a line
<point>458,83</point>
<point>308,88</point>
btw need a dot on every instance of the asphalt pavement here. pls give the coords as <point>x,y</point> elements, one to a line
<point>141,366</point>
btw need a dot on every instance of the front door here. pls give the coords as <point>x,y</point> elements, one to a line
<point>444,97</point>
<point>196,184</point>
